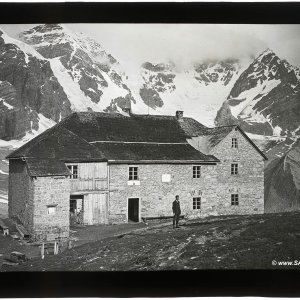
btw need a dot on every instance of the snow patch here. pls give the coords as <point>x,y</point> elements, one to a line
<point>197,99</point>
<point>111,92</point>
<point>79,101</point>
<point>44,124</point>
<point>245,107</point>
<point>6,104</point>
<point>12,144</point>
<point>277,130</point>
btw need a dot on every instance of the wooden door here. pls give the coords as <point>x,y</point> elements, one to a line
<point>95,209</point>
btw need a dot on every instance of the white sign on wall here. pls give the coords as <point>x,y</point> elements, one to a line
<point>166,177</point>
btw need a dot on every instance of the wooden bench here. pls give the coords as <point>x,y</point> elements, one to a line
<point>49,245</point>
<point>4,227</point>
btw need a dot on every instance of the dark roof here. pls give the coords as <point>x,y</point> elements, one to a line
<point>46,167</point>
<point>60,143</point>
<point>78,138</point>
<point>97,126</point>
<point>138,152</point>
<point>192,127</point>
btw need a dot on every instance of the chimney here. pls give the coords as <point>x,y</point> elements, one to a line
<point>127,110</point>
<point>179,115</point>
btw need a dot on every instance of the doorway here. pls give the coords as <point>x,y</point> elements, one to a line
<point>133,209</point>
<point>76,209</point>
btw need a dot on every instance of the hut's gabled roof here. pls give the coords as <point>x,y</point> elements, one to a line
<point>112,136</point>
<point>58,143</point>
<point>96,136</point>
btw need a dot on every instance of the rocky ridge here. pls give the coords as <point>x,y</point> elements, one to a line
<point>265,99</point>
<point>29,91</point>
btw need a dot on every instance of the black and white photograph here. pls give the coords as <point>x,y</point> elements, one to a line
<point>149,147</point>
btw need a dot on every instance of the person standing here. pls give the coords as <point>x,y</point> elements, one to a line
<point>176,211</point>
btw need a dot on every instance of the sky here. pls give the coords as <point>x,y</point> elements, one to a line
<point>188,43</point>
<point>184,44</point>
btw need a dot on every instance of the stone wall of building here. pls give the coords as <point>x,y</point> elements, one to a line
<point>214,187</point>
<point>51,192</point>
<point>20,193</point>
<point>155,196</point>
<point>248,183</point>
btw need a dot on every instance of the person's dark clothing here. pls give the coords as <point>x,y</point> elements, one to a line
<point>176,207</point>
<point>176,211</point>
<point>176,220</point>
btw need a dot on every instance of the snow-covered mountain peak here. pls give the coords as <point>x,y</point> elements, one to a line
<point>199,89</point>
<point>56,35</point>
<point>27,51</point>
<point>267,87</point>
<point>265,53</point>
<point>91,78</point>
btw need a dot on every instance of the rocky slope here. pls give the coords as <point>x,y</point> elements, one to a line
<point>265,99</point>
<point>49,72</point>
<point>29,92</point>
<point>282,182</point>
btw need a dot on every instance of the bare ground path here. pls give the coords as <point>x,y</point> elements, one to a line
<point>239,242</point>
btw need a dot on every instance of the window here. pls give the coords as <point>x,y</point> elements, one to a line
<point>133,173</point>
<point>197,203</point>
<point>234,169</point>
<point>196,171</point>
<point>234,199</point>
<point>234,143</point>
<point>51,210</point>
<point>74,171</point>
